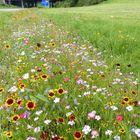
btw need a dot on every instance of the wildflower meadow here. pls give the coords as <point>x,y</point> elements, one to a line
<point>54,85</point>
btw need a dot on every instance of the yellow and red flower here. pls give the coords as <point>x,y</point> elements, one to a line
<point>44,76</point>
<point>61,120</point>
<point>7,46</point>
<point>122,130</point>
<point>51,94</point>
<point>78,135</point>
<point>60,91</point>
<point>30,105</point>
<point>8,134</point>
<point>1,90</point>
<point>72,117</point>
<point>15,118</point>
<point>10,101</point>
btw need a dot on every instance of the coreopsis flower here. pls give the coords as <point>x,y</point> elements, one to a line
<point>52,44</point>
<point>91,115</point>
<point>7,46</point>
<point>8,134</point>
<point>94,134</point>
<point>78,135</point>
<point>86,129</point>
<point>122,130</point>
<point>15,118</point>
<point>1,90</point>
<point>10,101</point>
<point>108,132</point>
<point>44,76</point>
<point>72,117</point>
<point>30,105</point>
<point>44,135</point>
<point>60,91</point>
<point>51,94</point>
<point>61,120</point>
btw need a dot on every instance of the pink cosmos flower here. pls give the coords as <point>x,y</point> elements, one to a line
<point>94,134</point>
<point>66,79</point>
<point>91,115</point>
<point>119,118</point>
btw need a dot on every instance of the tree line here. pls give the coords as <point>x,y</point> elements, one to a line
<point>73,3</point>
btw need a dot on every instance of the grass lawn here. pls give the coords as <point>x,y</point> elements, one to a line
<point>66,74</point>
<point>113,27</point>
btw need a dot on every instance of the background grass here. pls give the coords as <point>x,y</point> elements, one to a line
<point>113,27</point>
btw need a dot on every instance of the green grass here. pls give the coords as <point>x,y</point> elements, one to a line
<point>113,27</point>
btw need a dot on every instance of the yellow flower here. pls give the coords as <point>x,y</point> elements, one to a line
<point>8,134</point>
<point>10,101</point>
<point>7,46</point>
<point>1,90</point>
<point>30,105</point>
<point>15,118</point>
<point>44,76</point>
<point>53,44</point>
<point>60,91</point>
<point>51,94</point>
<point>122,130</point>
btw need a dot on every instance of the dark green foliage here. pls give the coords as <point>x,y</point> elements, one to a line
<point>72,3</point>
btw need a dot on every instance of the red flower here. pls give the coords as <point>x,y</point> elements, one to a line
<point>119,118</point>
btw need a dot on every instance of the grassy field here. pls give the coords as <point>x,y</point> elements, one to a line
<point>113,27</point>
<point>66,74</point>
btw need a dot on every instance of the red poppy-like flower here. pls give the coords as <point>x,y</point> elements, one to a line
<point>78,135</point>
<point>119,118</point>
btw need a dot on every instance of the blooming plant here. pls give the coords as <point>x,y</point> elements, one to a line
<point>57,86</point>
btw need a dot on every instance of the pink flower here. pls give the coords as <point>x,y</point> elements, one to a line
<point>91,115</point>
<point>94,134</point>
<point>66,79</point>
<point>22,115</point>
<point>119,118</point>
<point>26,41</point>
